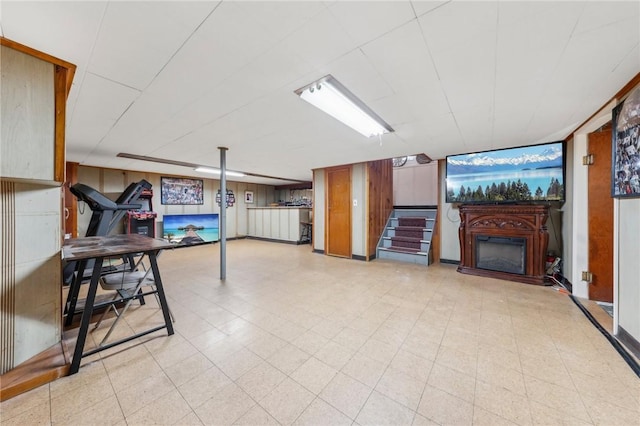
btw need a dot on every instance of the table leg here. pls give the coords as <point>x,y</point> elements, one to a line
<point>160,289</point>
<point>86,316</point>
<point>72,296</point>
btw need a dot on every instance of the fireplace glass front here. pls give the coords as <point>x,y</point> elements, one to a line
<point>504,254</point>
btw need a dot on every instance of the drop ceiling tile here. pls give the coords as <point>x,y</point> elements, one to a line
<point>145,114</point>
<point>279,18</point>
<point>600,14</point>
<point>456,24</point>
<point>366,21</point>
<point>99,106</point>
<point>197,69</point>
<point>137,39</point>
<point>278,67</point>
<point>401,57</point>
<point>422,7</point>
<point>320,41</point>
<point>356,72</point>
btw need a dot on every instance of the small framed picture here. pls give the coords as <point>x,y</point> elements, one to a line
<point>248,197</point>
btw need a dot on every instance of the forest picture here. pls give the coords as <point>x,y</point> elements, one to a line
<point>531,173</point>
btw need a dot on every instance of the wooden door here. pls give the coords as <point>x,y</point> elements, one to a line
<point>600,217</point>
<point>338,236</point>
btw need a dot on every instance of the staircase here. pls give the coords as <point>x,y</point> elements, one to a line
<point>407,236</point>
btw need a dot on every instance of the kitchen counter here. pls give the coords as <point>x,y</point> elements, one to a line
<point>281,223</point>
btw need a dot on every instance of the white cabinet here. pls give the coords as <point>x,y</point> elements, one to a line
<point>277,223</point>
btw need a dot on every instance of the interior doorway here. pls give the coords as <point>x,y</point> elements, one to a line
<point>338,235</point>
<point>600,216</point>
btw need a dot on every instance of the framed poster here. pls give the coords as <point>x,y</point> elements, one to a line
<point>625,157</point>
<point>181,191</point>
<point>248,197</point>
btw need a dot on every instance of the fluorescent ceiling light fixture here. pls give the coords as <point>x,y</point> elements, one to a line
<point>217,171</point>
<point>336,100</point>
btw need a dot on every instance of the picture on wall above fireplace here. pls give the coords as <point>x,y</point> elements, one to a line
<point>625,171</point>
<point>526,174</point>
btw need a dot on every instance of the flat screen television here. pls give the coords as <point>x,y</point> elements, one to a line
<point>526,174</point>
<point>190,229</point>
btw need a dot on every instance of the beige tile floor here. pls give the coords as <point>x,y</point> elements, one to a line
<point>293,337</point>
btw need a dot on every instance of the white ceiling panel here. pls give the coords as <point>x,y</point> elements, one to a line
<point>176,80</point>
<point>598,14</point>
<point>137,39</point>
<point>281,18</point>
<point>421,7</point>
<point>320,41</point>
<point>99,106</point>
<point>368,21</point>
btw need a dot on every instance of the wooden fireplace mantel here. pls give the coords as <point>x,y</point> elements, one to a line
<point>514,221</point>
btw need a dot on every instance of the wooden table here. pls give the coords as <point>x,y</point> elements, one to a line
<point>82,250</point>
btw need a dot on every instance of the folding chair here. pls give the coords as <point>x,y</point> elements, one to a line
<point>127,285</point>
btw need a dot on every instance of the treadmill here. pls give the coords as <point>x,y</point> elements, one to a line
<point>106,215</point>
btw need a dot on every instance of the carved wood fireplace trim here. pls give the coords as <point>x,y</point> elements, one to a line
<point>505,221</point>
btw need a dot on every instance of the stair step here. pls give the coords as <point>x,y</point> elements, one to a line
<point>403,250</point>
<point>412,221</point>
<point>407,236</point>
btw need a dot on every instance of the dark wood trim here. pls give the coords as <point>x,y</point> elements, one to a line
<point>60,83</point>
<point>450,261</point>
<point>70,200</point>
<point>70,68</point>
<point>43,368</point>
<point>318,251</point>
<point>358,257</point>
<point>295,186</point>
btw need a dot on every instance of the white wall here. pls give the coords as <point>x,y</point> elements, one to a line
<point>415,184</point>
<point>37,269</point>
<point>318,209</point>
<point>628,266</point>
<point>449,222</point>
<point>112,182</point>
<point>359,223</point>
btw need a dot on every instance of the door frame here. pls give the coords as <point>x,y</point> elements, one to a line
<point>579,227</point>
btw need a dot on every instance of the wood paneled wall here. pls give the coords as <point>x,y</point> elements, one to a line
<point>8,276</point>
<point>380,201</point>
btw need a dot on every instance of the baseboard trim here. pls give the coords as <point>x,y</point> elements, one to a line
<point>273,240</point>
<point>358,257</point>
<point>631,362</point>
<point>629,341</point>
<point>416,207</point>
<point>43,368</point>
<point>449,261</point>
<point>318,251</point>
